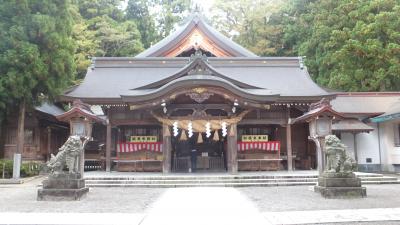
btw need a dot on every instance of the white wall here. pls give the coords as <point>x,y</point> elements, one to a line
<point>367,145</point>
<point>390,153</point>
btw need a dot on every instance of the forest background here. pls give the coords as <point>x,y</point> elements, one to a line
<point>46,45</point>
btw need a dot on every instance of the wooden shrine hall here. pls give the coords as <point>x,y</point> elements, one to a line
<point>197,101</point>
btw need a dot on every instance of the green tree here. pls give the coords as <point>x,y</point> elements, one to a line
<point>170,12</point>
<point>36,53</point>
<point>101,29</point>
<point>139,12</point>
<point>255,24</point>
<point>352,45</point>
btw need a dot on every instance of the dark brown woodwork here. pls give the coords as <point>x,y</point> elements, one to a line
<point>289,143</point>
<point>167,148</point>
<point>48,143</point>
<point>263,121</point>
<point>232,149</point>
<point>20,129</point>
<point>108,147</point>
<point>134,122</point>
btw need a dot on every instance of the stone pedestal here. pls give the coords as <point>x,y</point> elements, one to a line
<point>339,185</point>
<point>63,187</point>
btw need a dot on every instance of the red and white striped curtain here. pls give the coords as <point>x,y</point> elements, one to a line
<point>134,147</point>
<point>266,146</point>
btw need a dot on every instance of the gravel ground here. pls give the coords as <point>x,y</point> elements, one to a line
<point>299,198</point>
<point>22,198</point>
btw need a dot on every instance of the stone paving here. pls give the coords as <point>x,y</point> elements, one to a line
<point>147,206</point>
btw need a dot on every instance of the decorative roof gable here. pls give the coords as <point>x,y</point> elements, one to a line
<point>198,65</point>
<point>193,35</point>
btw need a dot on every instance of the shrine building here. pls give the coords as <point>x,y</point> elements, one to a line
<point>197,89</point>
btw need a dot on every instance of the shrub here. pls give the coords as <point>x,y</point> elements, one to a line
<point>8,168</point>
<point>29,169</point>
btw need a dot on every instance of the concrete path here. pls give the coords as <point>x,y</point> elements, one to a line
<point>72,218</point>
<point>333,216</point>
<point>199,206</point>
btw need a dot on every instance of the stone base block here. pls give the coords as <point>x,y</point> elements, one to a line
<point>340,185</point>
<point>339,182</point>
<point>341,192</point>
<point>58,183</point>
<point>62,194</point>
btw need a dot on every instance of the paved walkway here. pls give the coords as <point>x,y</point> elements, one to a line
<point>199,206</point>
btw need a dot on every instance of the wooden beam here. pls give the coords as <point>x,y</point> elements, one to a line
<point>263,121</point>
<point>199,106</point>
<point>134,122</point>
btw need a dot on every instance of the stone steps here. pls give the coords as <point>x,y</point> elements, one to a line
<point>171,181</point>
<point>175,185</point>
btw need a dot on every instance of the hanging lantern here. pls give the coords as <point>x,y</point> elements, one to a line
<point>216,136</point>
<point>183,136</point>
<point>175,128</point>
<point>224,129</point>
<point>208,129</point>
<point>190,129</point>
<point>200,138</point>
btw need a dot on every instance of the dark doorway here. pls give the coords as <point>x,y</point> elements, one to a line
<point>191,155</point>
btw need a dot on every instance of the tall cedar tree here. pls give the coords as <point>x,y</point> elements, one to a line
<point>36,53</point>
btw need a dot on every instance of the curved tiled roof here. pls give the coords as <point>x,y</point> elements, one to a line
<point>112,77</point>
<point>196,21</point>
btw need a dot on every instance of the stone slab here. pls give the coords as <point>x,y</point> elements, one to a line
<point>62,194</point>
<point>66,176</point>
<point>339,182</point>
<point>341,192</point>
<point>63,183</point>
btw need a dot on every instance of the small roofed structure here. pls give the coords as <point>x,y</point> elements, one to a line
<point>79,110</point>
<point>321,108</point>
<point>351,125</point>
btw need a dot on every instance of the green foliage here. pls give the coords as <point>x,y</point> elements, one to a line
<point>8,168</point>
<point>139,12</point>
<point>350,45</point>
<point>101,29</point>
<point>252,23</point>
<point>29,169</point>
<point>156,18</point>
<point>354,45</point>
<point>36,50</point>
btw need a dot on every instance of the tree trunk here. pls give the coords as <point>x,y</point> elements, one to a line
<point>21,128</point>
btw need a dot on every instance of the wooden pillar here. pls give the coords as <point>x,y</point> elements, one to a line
<point>166,148</point>
<point>355,147</point>
<point>108,147</point>
<point>289,143</point>
<point>48,143</point>
<point>232,149</point>
<point>21,128</point>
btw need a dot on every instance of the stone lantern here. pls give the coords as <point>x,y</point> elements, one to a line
<point>70,185</point>
<point>320,117</point>
<point>81,119</point>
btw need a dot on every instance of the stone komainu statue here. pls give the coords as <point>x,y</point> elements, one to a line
<point>337,159</point>
<point>68,155</point>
